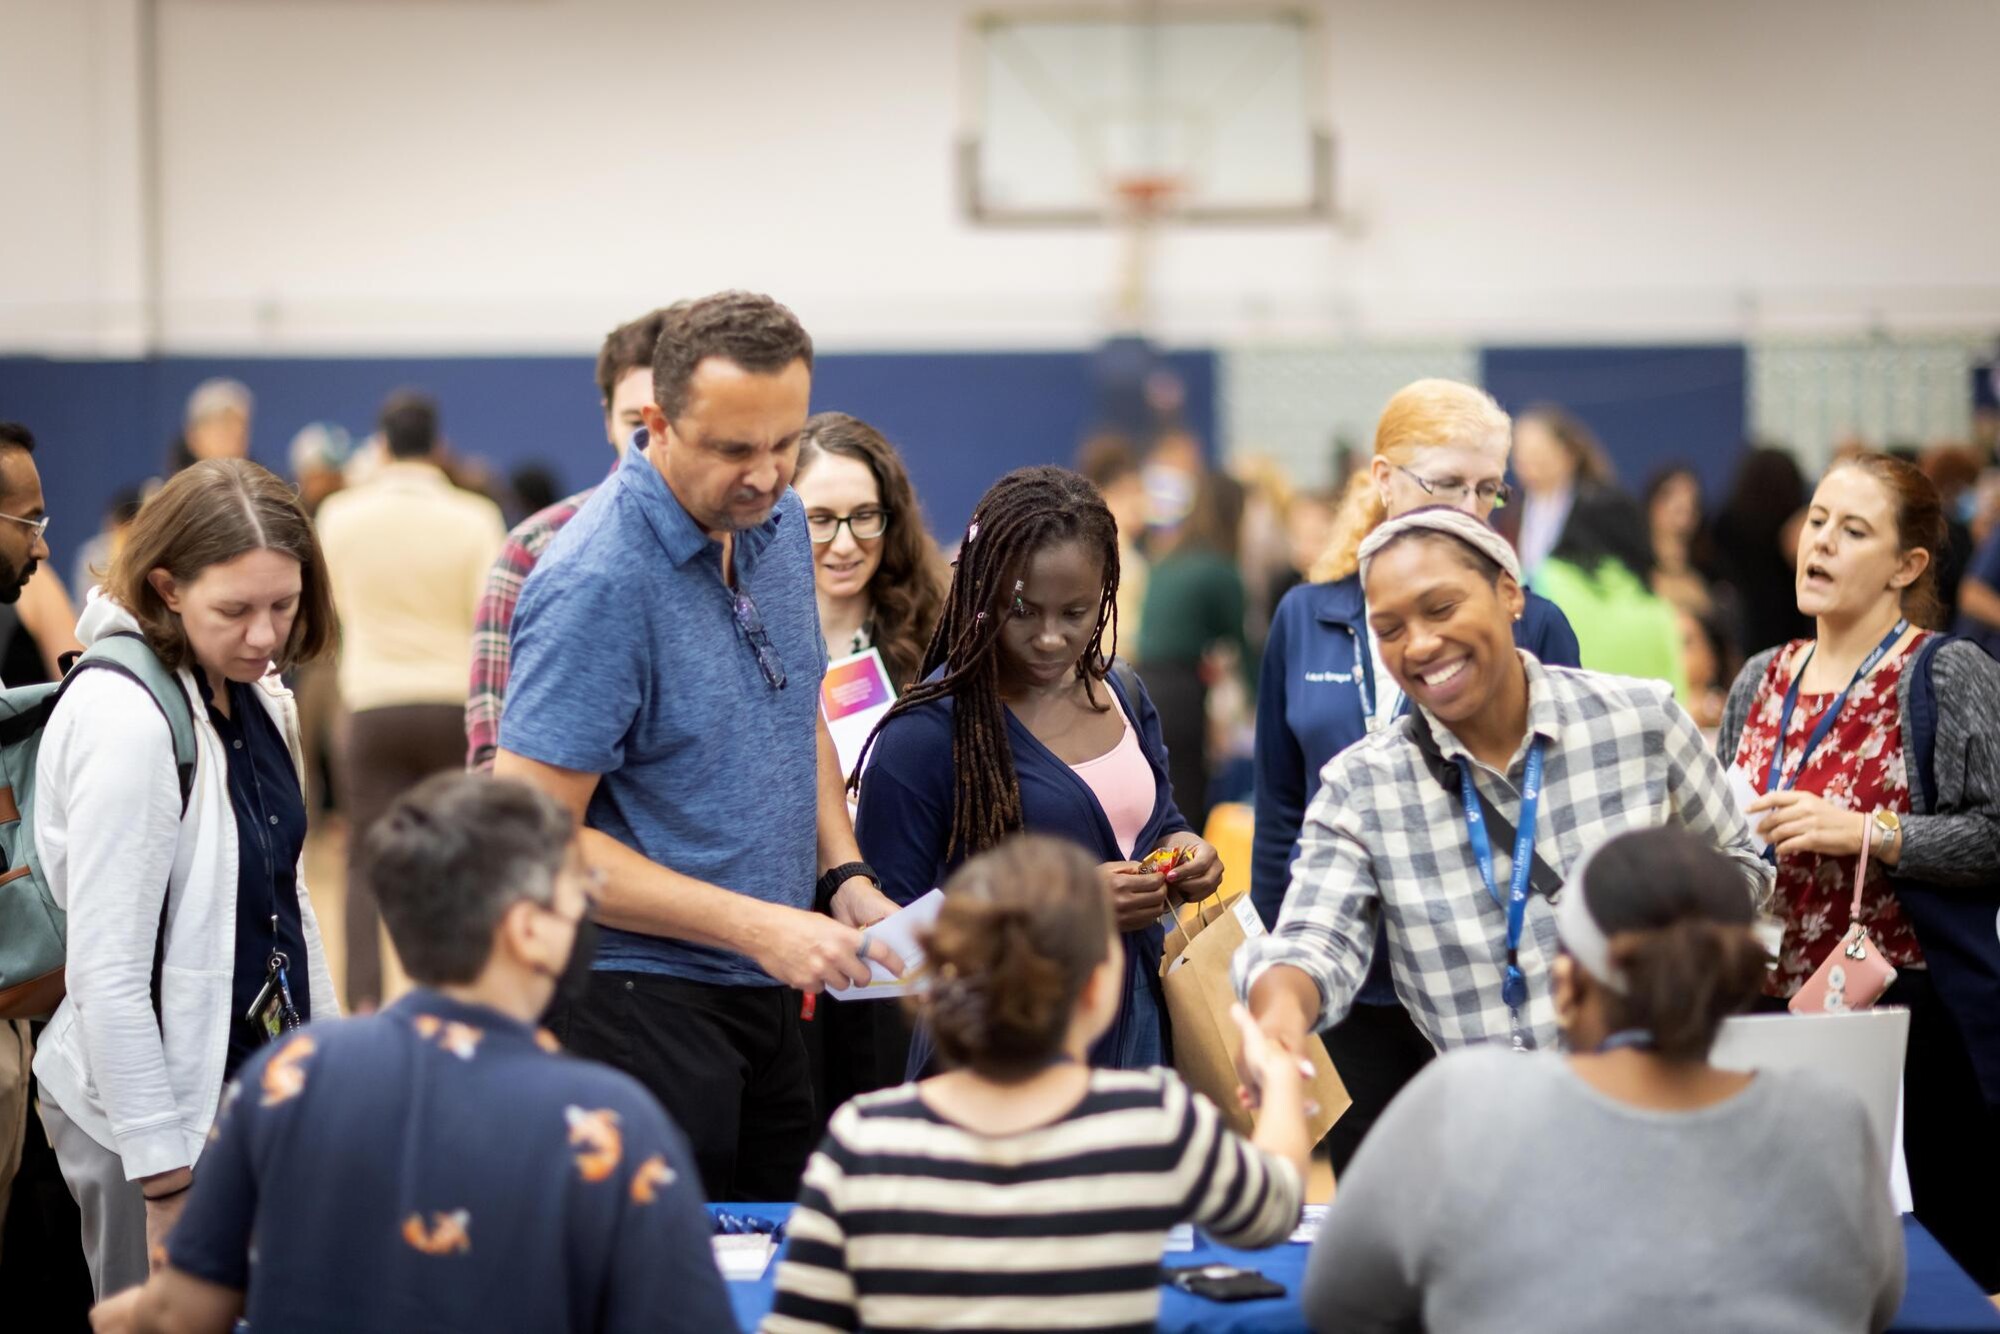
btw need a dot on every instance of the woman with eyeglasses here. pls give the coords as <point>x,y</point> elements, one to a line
<point>1323,687</point>
<point>877,574</point>
<point>1624,1183</point>
<point>880,583</point>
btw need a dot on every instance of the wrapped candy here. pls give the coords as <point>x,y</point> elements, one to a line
<point>1162,860</point>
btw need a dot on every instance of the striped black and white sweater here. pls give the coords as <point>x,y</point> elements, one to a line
<point>909,1222</point>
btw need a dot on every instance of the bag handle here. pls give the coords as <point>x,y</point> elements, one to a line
<point>1861,870</point>
<point>1181,930</point>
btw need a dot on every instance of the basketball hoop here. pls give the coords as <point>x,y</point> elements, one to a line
<point>1145,196</point>
<point>1142,199</point>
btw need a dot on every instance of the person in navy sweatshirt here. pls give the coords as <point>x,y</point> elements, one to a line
<point>1323,688</point>
<point>1022,722</point>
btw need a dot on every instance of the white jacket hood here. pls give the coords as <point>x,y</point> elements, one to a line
<point>103,615</point>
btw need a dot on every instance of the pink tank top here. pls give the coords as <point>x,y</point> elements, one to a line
<point>1123,783</point>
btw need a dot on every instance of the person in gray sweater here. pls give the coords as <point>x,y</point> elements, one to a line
<point>1628,1184</point>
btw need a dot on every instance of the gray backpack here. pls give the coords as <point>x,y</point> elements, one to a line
<point>31,925</point>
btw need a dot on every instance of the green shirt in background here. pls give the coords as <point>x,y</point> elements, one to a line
<point>1194,599</point>
<point>1621,626</point>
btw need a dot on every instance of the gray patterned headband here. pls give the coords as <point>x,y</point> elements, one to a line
<point>1452,522</point>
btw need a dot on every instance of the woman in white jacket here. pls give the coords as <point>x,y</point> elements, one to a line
<point>222,576</point>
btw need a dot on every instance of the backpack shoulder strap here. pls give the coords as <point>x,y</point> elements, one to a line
<point>1541,876</point>
<point>1923,719</point>
<point>132,657</point>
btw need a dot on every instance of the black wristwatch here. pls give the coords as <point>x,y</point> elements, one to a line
<point>830,883</point>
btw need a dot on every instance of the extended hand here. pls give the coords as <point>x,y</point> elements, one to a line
<point>809,951</point>
<point>1277,1012</point>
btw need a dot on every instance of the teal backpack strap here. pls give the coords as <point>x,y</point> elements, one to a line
<point>128,654</point>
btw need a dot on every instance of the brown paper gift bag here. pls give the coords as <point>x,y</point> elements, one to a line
<point>1194,974</point>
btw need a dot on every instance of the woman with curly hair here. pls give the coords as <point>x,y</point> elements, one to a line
<point>880,583</point>
<point>877,574</point>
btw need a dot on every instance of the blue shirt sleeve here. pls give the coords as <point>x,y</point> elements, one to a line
<point>902,817</point>
<point>662,1274</point>
<point>1546,633</point>
<point>212,1240</point>
<point>579,669</point>
<point>1282,780</point>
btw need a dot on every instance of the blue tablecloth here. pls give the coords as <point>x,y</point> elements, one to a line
<point>1940,1298</point>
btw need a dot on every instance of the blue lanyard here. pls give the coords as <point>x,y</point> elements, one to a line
<point>1515,989</point>
<point>1826,721</point>
<point>1364,672</point>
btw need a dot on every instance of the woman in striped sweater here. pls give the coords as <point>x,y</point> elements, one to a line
<point>1023,1177</point>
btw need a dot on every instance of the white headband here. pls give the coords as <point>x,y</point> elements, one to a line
<point>1579,932</point>
<point>1443,519</point>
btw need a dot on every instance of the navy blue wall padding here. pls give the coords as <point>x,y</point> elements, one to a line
<point>1649,405</point>
<point>961,419</point>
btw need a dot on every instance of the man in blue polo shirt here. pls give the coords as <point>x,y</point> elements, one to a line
<point>438,1165</point>
<point>665,687</point>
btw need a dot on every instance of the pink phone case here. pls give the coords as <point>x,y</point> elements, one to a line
<point>1855,975</point>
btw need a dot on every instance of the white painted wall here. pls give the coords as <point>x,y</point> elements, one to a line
<point>519,174</point>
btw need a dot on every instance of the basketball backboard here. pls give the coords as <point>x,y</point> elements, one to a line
<point>1079,116</point>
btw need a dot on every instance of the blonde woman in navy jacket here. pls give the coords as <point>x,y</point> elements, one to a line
<point>1323,688</point>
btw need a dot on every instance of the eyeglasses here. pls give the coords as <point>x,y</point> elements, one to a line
<point>752,625</point>
<point>863,525</point>
<point>1496,494</point>
<point>41,525</point>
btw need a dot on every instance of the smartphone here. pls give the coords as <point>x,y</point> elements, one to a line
<point>1223,1283</point>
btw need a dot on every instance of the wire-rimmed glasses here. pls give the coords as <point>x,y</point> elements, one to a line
<point>1494,494</point>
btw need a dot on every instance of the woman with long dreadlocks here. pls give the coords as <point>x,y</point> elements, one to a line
<point>1022,722</point>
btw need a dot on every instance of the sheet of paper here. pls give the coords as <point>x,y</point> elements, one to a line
<point>854,695</point>
<point>1744,793</point>
<point>743,1258</point>
<point>899,932</point>
<point>1310,1219</point>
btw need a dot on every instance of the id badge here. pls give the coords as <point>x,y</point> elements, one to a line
<point>272,1013</point>
<point>1523,1040</point>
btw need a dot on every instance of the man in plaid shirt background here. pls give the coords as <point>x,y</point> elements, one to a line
<point>624,386</point>
<point>1385,836</point>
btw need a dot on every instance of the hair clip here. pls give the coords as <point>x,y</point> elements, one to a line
<point>971,532</point>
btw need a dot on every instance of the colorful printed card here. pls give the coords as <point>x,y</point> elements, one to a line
<point>854,695</point>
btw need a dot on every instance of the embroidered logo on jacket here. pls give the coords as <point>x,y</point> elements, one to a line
<point>284,1075</point>
<point>448,1233</point>
<point>600,1143</point>
<point>652,1177</point>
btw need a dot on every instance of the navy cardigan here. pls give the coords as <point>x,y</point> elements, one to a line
<point>1309,710</point>
<point>903,820</point>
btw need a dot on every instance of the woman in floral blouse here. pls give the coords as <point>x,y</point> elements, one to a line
<point>1820,729</point>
